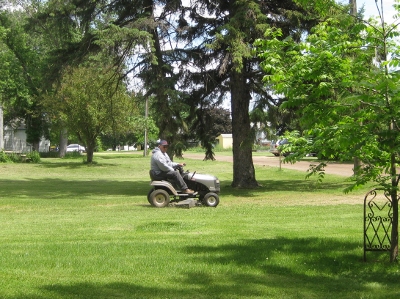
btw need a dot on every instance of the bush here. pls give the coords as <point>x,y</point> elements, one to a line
<point>13,157</point>
<point>72,155</point>
<point>99,145</point>
<point>50,155</point>
<point>33,157</point>
<point>219,148</point>
<point>4,158</point>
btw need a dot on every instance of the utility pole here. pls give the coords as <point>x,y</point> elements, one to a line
<point>1,129</point>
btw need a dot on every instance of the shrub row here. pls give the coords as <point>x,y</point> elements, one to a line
<point>33,157</point>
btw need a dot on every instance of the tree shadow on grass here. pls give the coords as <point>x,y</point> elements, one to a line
<point>76,189</point>
<point>74,164</point>
<point>80,161</point>
<point>54,188</point>
<point>314,267</point>
<point>87,290</point>
<point>259,268</point>
<point>81,189</point>
<point>292,186</point>
<point>119,156</point>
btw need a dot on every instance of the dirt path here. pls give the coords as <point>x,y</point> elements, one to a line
<point>333,168</point>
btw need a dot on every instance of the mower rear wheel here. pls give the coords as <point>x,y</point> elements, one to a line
<point>211,199</point>
<point>159,198</point>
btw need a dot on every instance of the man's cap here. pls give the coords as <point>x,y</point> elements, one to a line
<point>162,142</point>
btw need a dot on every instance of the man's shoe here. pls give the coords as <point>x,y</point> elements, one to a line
<point>188,191</point>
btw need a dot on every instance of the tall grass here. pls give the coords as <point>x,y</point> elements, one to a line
<point>76,230</point>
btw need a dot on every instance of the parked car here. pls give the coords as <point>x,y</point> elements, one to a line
<point>53,148</point>
<point>75,148</point>
<point>275,147</point>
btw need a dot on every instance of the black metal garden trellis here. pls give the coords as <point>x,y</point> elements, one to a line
<point>378,219</point>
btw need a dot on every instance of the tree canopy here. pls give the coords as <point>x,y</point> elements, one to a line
<point>343,79</point>
<point>185,57</point>
<point>21,75</point>
<point>90,103</point>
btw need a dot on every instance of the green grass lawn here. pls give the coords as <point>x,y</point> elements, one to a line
<point>73,230</point>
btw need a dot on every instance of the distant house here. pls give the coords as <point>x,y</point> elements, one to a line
<point>15,139</point>
<point>225,140</point>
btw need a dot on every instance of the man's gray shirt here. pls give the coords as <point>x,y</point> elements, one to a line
<point>161,162</point>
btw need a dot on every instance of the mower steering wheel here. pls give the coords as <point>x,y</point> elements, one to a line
<point>179,168</point>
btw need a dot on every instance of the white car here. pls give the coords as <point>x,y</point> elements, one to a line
<point>275,147</point>
<point>75,148</point>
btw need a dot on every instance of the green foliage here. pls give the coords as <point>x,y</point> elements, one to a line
<point>13,86</point>
<point>219,148</point>
<point>196,149</point>
<point>90,102</point>
<point>14,157</point>
<point>340,81</point>
<point>51,154</point>
<point>209,123</point>
<point>10,157</point>
<point>141,124</point>
<point>99,145</point>
<point>21,79</point>
<point>346,103</point>
<point>4,158</point>
<point>33,157</point>
<point>73,155</point>
<point>136,36</point>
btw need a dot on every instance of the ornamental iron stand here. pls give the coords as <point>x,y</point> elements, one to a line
<point>378,219</point>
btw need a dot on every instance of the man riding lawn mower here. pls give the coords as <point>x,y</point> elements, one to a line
<point>170,182</point>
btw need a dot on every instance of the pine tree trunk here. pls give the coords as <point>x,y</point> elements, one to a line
<point>243,168</point>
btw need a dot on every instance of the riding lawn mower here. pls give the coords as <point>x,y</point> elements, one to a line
<point>206,189</point>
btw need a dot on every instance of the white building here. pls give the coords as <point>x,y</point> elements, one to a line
<point>15,140</point>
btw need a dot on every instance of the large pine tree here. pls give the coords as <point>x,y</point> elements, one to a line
<point>218,36</point>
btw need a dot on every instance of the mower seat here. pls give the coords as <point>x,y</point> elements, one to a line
<point>153,175</point>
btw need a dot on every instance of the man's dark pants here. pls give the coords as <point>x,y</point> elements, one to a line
<point>173,176</point>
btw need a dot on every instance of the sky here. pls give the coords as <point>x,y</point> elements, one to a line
<point>371,10</point>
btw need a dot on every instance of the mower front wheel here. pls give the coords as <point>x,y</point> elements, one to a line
<point>159,198</point>
<point>211,199</point>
